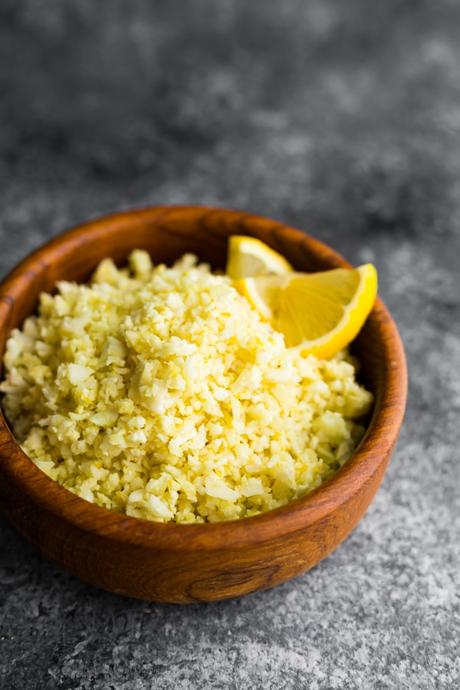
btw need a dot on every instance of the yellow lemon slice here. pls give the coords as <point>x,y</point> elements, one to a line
<point>321,313</point>
<point>248,256</point>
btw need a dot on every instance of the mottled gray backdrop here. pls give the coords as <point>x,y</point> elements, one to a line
<point>341,117</point>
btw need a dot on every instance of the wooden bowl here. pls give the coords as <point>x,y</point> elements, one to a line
<point>188,563</point>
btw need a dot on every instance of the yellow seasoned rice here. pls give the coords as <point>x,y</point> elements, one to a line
<point>160,392</point>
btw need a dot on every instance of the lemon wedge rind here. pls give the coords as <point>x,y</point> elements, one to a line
<point>248,256</point>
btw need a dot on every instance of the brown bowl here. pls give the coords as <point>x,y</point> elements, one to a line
<point>186,563</point>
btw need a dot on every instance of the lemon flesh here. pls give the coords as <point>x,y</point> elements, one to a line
<point>321,313</point>
<point>248,256</point>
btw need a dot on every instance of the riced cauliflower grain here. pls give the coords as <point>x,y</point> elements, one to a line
<point>159,392</point>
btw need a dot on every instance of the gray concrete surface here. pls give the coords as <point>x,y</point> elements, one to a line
<point>342,118</point>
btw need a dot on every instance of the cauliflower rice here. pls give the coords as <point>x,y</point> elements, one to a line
<point>159,392</point>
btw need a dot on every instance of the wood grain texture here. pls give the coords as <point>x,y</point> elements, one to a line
<point>186,563</point>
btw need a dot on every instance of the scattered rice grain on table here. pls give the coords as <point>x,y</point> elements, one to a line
<point>159,392</point>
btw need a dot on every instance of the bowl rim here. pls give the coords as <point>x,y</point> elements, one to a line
<point>299,514</point>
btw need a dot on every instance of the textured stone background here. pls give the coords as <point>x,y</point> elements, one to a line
<point>339,117</point>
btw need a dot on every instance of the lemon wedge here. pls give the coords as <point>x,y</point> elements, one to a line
<point>321,313</point>
<point>248,256</point>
